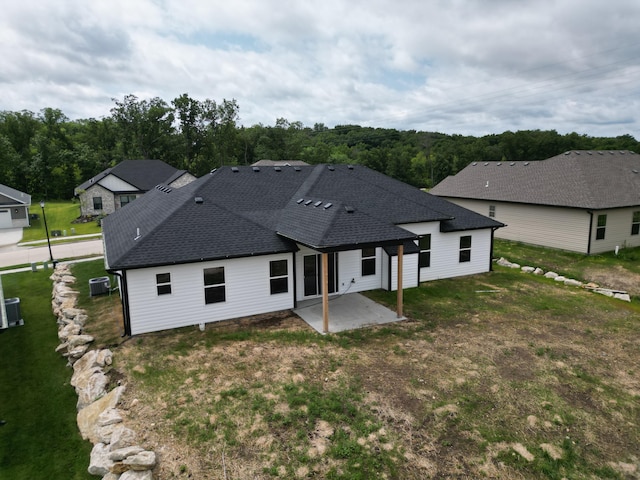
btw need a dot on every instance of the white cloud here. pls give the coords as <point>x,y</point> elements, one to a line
<point>458,66</point>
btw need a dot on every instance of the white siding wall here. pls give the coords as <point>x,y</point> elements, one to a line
<point>618,231</point>
<point>409,272</point>
<point>564,228</point>
<point>445,251</point>
<point>247,293</point>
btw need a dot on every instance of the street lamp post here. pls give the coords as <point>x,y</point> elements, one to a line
<point>46,228</point>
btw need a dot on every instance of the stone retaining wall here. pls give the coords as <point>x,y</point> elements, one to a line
<point>115,454</point>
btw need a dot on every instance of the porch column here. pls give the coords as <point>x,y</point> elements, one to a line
<point>325,292</point>
<point>400,265</point>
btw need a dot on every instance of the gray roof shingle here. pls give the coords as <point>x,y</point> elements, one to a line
<point>579,179</point>
<point>258,210</point>
<point>142,174</point>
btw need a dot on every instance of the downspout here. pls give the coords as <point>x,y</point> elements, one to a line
<point>590,231</point>
<point>124,297</point>
<point>493,231</point>
<point>295,282</point>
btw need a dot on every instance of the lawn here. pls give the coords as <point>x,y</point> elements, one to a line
<point>500,375</point>
<point>60,215</point>
<point>40,439</point>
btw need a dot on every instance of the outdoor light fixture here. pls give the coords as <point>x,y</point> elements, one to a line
<point>46,228</point>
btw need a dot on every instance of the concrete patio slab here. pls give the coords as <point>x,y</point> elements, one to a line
<point>346,312</point>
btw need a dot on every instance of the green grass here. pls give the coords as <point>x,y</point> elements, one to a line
<point>59,214</point>
<point>40,439</point>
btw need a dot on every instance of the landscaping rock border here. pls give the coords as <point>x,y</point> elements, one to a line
<point>617,294</point>
<point>115,455</point>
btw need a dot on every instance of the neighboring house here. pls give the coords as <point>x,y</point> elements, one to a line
<point>14,208</point>
<point>279,163</point>
<point>242,241</point>
<point>583,201</point>
<point>117,186</point>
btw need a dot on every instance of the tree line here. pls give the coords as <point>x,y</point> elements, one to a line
<point>47,155</point>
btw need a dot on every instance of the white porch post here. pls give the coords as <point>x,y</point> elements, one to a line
<point>400,265</point>
<point>325,292</point>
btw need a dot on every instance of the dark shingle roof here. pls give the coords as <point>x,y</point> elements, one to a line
<point>11,196</point>
<point>580,179</point>
<point>142,174</point>
<point>258,210</point>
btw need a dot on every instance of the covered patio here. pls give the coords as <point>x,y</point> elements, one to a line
<point>347,312</point>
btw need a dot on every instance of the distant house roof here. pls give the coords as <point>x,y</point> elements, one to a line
<point>579,179</point>
<point>279,163</point>
<point>11,196</point>
<point>244,211</point>
<point>142,174</point>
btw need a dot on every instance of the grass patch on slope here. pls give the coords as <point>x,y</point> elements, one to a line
<point>59,214</point>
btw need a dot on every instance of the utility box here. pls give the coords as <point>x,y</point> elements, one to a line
<point>14,317</point>
<point>99,286</point>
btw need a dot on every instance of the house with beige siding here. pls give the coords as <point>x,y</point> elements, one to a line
<point>118,186</point>
<point>244,241</point>
<point>583,201</point>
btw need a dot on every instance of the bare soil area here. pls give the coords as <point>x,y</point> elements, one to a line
<point>513,387</point>
<point>616,277</point>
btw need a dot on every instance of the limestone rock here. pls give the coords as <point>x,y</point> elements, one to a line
<point>62,348</point>
<point>70,329</point>
<point>111,476</point>
<point>550,275</point>
<point>142,461</point>
<point>104,434</point>
<point>622,296</point>
<point>88,417</point>
<point>604,291</point>
<point>122,453</point>
<point>110,416</point>
<point>71,313</point>
<point>538,271</point>
<point>77,352</point>
<point>560,278</point>
<point>100,464</point>
<point>528,269</point>
<point>514,265</point>
<point>78,340</point>
<point>122,437</point>
<point>572,283</point>
<point>135,475</point>
<point>90,386</point>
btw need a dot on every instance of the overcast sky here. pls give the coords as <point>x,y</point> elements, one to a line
<point>452,66</point>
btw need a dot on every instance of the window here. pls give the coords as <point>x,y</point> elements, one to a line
<point>465,248</point>
<point>424,243</point>
<point>126,199</point>
<point>368,261</point>
<point>635,223</point>
<point>279,276</point>
<point>602,227</point>
<point>492,211</point>
<point>97,203</point>
<point>163,283</point>
<point>214,289</point>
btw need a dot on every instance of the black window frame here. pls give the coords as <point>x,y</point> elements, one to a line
<point>492,211</point>
<point>279,281</point>
<point>635,223</point>
<point>368,261</point>
<point>97,203</point>
<point>214,285</point>
<point>424,257</point>
<point>163,283</point>
<point>601,229</point>
<point>130,198</point>
<point>465,250</point>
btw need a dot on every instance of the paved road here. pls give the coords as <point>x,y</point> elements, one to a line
<point>19,255</point>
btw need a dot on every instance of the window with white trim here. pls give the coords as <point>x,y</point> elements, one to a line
<point>602,227</point>
<point>368,261</point>
<point>635,223</point>
<point>214,286</point>
<point>279,276</point>
<point>465,249</point>
<point>163,283</point>
<point>492,211</point>
<point>424,244</point>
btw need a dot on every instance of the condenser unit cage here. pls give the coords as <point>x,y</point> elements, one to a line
<point>99,286</point>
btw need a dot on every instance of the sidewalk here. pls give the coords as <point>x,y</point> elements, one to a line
<point>15,255</point>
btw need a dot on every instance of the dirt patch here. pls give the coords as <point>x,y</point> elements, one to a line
<point>616,277</point>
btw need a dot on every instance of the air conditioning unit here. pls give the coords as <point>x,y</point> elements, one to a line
<point>14,317</point>
<point>99,286</point>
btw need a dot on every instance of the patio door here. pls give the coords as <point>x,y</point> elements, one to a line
<point>313,274</point>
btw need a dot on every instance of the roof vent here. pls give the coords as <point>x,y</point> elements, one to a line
<point>350,167</point>
<point>235,169</point>
<point>317,204</point>
<point>308,202</point>
<point>300,200</point>
<point>498,164</point>
<point>213,171</point>
<point>256,169</point>
<point>137,234</point>
<point>163,188</point>
<point>475,163</point>
<point>634,170</point>
<point>512,164</point>
<point>526,164</point>
<point>199,200</point>
<point>577,153</point>
<point>297,169</point>
<point>327,205</point>
<point>486,163</point>
<point>589,153</point>
<point>567,153</point>
<point>349,209</point>
<point>277,169</point>
<point>622,152</point>
<point>600,153</point>
<point>331,167</point>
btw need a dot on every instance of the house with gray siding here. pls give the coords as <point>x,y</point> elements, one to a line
<point>118,186</point>
<point>582,201</point>
<point>243,241</point>
<point>14,208</point>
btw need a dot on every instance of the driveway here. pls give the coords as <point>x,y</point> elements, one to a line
<point>10,236</point>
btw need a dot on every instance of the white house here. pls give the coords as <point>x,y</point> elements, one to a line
<point>243,241</point>
<point>118,186</point>
<point>14,208</point>
<point>583,201</point>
